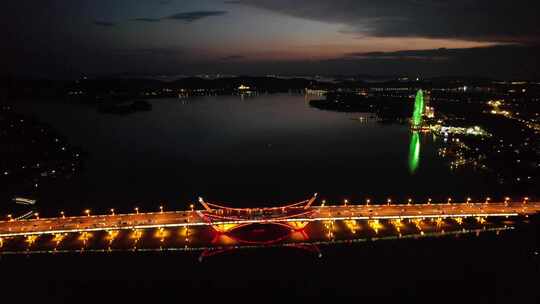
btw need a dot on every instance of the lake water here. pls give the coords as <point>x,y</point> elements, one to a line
<point>263,150</point>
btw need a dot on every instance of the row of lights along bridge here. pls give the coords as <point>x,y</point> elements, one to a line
<point>346,202</point>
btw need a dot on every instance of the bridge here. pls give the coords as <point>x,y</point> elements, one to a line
<point>295,216</point>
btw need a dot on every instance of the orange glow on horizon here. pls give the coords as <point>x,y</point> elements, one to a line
<point>339,48</point>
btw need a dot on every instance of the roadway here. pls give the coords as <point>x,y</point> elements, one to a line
<point>427,210</point>
<point>99,223</point>
<point>321,213</point>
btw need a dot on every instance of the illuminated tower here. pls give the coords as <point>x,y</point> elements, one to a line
<point>429,111</point>
<point>416,124</point>
<point>418,110</point>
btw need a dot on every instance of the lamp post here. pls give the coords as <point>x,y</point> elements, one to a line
<point>192,207</point>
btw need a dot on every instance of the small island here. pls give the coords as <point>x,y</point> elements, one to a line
<point>385,109</point>
<point>124,107</point>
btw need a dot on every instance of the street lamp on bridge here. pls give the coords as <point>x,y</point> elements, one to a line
<point>87,211</point>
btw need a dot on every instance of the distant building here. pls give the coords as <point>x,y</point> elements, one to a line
<point>316,92</point>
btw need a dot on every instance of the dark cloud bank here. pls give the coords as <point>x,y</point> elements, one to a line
<point>481,20</point>
<point>186,17</point>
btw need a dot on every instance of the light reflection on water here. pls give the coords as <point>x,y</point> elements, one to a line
<point>208,242</point>
<point>414,152</point>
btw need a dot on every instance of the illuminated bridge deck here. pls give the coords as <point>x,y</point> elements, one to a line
<point>206,217</point>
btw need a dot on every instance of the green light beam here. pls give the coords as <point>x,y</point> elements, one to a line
<point>414,152</point>
<point>418,109</point>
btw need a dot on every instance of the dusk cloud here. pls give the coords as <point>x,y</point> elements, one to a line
<point>186,17</point>
<point>195,15</point>
<point>436,54</point>
<point>104,23</point>
<point>481,20</point>
<point>146,19</point>
<point>232,57</point>
<point>502,61</point>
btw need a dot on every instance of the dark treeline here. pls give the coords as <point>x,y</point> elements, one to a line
<point>92,90</point>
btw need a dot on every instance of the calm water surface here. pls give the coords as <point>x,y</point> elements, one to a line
<point>262,150</point>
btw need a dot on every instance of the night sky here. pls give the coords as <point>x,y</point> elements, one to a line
<point>67,38</point>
